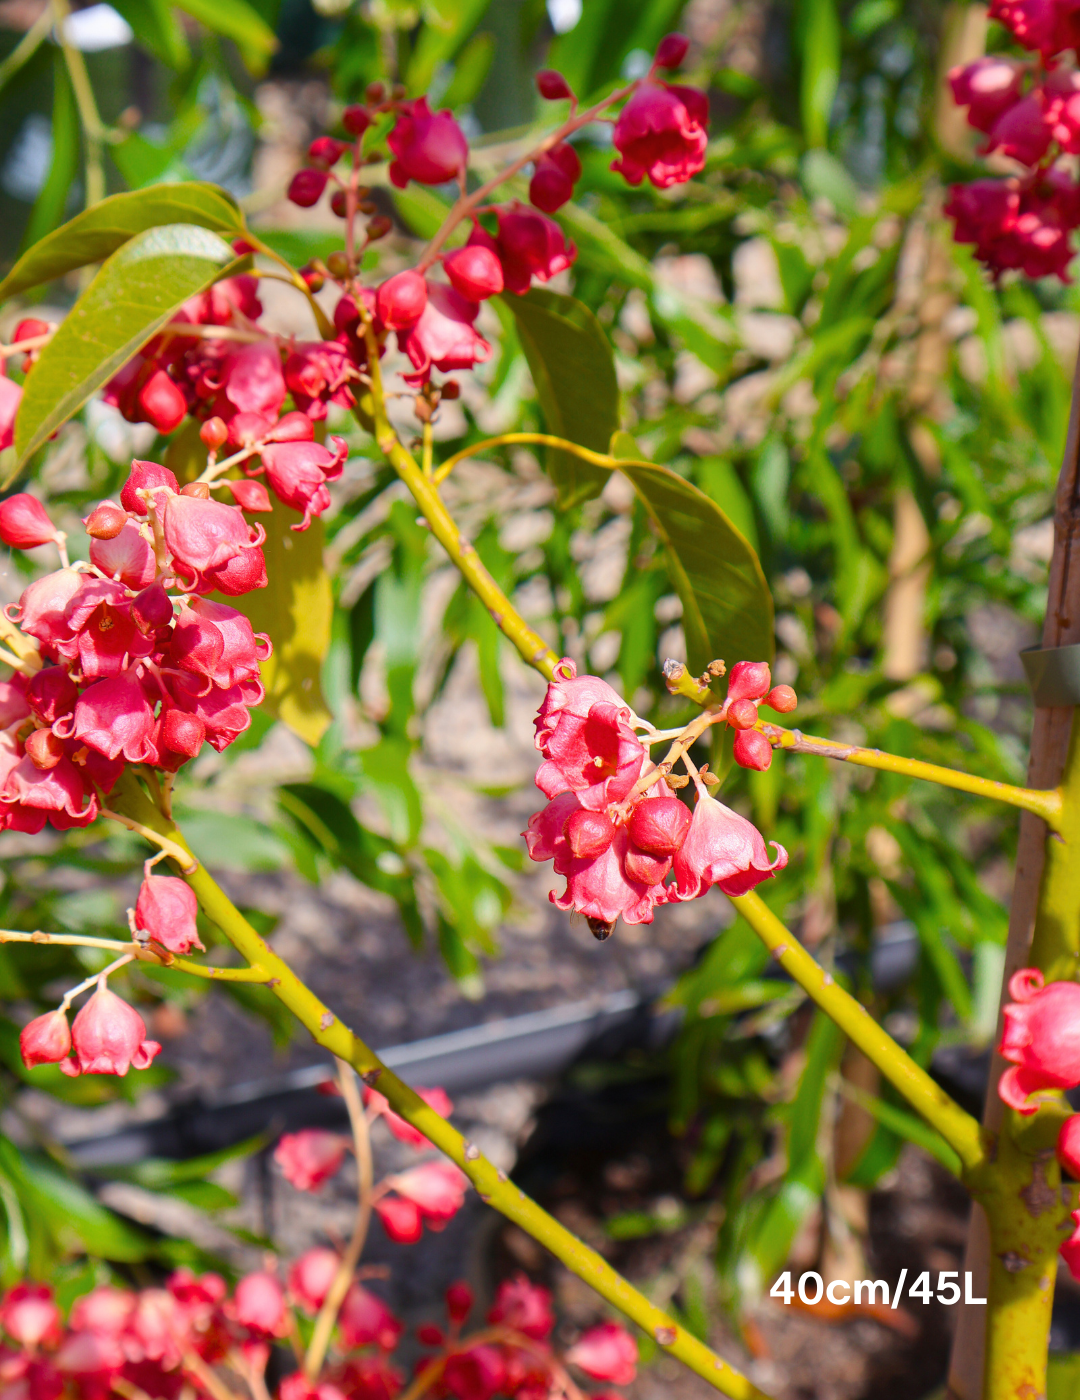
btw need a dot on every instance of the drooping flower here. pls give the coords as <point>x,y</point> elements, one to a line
<point>475,271</point>
<point>46,1040</point>
<point>722,848</point>
<point>311,1275</point>
<point>987,88</point>
<point>662,133</point>
<point>258,1303</point>
<point>298,472</point>
<point>444,337</point>
<point>205,534</point>
<point>402,1129</point>
<point>584,733</point>
<point>436,1188</point>
<point>524,1306</point>
<point>166,909</point>
<point>556,173</point>
<point>1048,26</point>
<point>1041,1038</point>
<point>255,382</point>
<point>29,1314</point>
<point>365,1320</point>
<point>401,299</point>
<point>24,522</point>
<point>311,1157</point>
<point>428,147</point>
<point>607,1353</point>
<point>109,1037</point>
<point>530,246</point>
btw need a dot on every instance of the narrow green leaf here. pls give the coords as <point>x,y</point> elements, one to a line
<point>96,233</point>
<point>573,368</point>
<point>157,29</point>
<point>448,23</point>
<point>819,32</point>
<point>295,610</point>
<point>135,292</point>
<point>471,68</point>
<point>905,1125</point>
<point>48,210</point>
<point>236,20</point>
<point>727,606</point>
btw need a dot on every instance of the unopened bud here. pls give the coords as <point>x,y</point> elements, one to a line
<point>742,714</point>
<point>24,523</point>
<point>379,227</point>
<point>451,389</point>
<point>399,92</point>
<point>782,698</point>
<point>375,92</point>
<point>367,206</point>
<point>752,750</point>
<point>199,489</point>
<point>356,120</point>
<point>46,1040</point>
<point>672,50</point>
<point>337,264</point>
<point>314,278</point>
<point>105,521</point>
<point>44,748</point>
<point>339,204</point>
<point>459,1301</point>
<point>214,433</point>
<point>552,85</point>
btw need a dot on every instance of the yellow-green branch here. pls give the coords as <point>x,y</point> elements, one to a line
<point>492,1184</point>
<point>142,952</point>
<point>958,1128</point>
<point>598,459</point>
<point>1046,803</point>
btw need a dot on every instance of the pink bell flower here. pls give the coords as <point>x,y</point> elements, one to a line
<point>214,640</point>
<point>90,1356</point>
<point>606,1353</point>
<point>524,1306</point>
<point>556,173</point>
<point>1022,131</point>
<point>319,372</point>
<point>298,472</point>
<point>474,271</point>
<point>444,337</point>
<point>662,133</point>
<point>58,790</point>
<point>50,693</point>
<point>401,1219</point>
<point>166,909</point>
<point>365,1320</point>
<point>42,609</point>
<point>240,575</point>
<point>597,755</point>
<point>29,1315</point>
<point>15,698</point>
<point>311,1157</point>
<point>401,1128</point>
<point>606,881</point>
<point>401,299</point>
<point>722,848</point>
<point>223,713</point>
<point>255,382</point>
<point>114,717</point>
<point>436,1188</point>
<point>109,1036</point>
<point>104,1310</point>
<point>127,557</point>
<point>203,535</point>
<point>46,1040</point>
<point>24,522</point>
<point>311,1275</point>
<point>1041,1038</point>
<point>987,88</point>
<point>530,246</point>
<point>258,1303</point>
<point>1048,26</point>
<point>429,148</point>
<point>476,1374</point>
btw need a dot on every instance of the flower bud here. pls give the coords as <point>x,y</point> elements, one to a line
<point>589,833</point>
<point>752,750</point>
<point>166,909</point>
<point>152,608</point>
<point>429,1335</point>
<point>749,680</point>
<point>314,277</point>
<point>311,1275</point>
<point>214,433</point>
<point>552,86</point>
<point>105,521</point>
<point>400,1219</point>
<point>742,714</point>
<point>356,120</point>
<point>161,403</point>
<point>379,227</point>
<point>400,300</point>
<point>474,271</point>
<point>339,205</point>
<point>782,699</point>
<point>658,825</point>
<point>338,264</point>
<point>325,152</point>
<point>459,1301</point>
<point>252,495</point>
<point>46,1040</point>
<point>375,92</point>
<point>259,1304</point>
<point>671,51</point>
<point>306,187</point>
<point>450,390</point>
<point>553,182</point>
<point>144,477</point>
<point>199,489</point>
<point>44,748</point>
<point>24,523</point>
<point>182,733</point>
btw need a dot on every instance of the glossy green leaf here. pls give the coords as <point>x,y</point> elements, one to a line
<point>236,20</point>
<point>727,606</point>
<point>573,368</point>
<point>818,35</point>
<point>98,232</point>
<point>295,612</point>
<point>51,203</point>
<point>134,294</point>
<point>75,1220</point>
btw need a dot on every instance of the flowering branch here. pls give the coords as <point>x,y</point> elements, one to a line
<point>335,1295</point>
<point>959,1129</point>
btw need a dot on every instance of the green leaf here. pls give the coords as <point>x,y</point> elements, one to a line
<point>133,295</point>
<point>157,30</point>
<point>573,369</point>
<point>236,20</point>
<point>98,232</point>
<point>164,1174</point>
<point>470,71</point>
<point>48,210</point>
<point>295,610</point>
<point>448,23</point>
<point>727,606</point>
<point>818,33</point>
<point>72,1216</point>
<point>905,1125</point>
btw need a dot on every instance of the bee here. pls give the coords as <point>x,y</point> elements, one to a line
<point>601,928</point>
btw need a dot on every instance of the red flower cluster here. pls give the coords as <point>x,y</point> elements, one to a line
<point>1029,111</point>
<point>612,828</point>
<point>125,671</point>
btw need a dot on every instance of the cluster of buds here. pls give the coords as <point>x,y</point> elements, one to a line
<point>183,1338</point>
<point>612,825</point>
<point>121,660</point>
<point>1041,1040</point>
<point>1029,112</point>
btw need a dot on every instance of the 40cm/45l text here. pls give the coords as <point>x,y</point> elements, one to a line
<point>811,1289</point>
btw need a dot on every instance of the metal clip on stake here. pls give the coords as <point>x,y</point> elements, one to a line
<point>1053,674</point>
